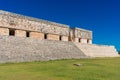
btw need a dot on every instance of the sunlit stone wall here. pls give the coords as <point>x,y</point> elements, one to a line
<point>23,26</point>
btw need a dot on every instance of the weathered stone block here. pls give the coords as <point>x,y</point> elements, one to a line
<point>20,33</point>
<point>84,41</point>
<point>52,37</point>
<point>64,38</point>
<point>76,39</point>
<point>36,35</point>
<point>89,41</point>
<point>82,33</point>
<point>4,31</point>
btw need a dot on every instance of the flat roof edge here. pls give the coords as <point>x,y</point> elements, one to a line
<point>82,29</point>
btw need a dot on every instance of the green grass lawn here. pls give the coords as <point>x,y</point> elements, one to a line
<point>91,69</point>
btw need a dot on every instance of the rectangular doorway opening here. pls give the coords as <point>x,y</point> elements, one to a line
<point>27,34</point>
<point>60,37</point>
<point>11,32</point>
<point>45,36</point>
<point>80,40</point>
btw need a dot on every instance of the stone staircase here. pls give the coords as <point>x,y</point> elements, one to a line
<point>19,49</point>
<point>93,50</point>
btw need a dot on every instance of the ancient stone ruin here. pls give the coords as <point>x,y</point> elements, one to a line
<point>25,38</point>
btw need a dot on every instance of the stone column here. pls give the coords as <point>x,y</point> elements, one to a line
<point>76,39</point>
<point>64,38</point>
<point>52,37</point>
<point>84,41</point>
<point>37,35</point>
<point>4,31</point>
<point>89,41</point>
<point>20,33</point>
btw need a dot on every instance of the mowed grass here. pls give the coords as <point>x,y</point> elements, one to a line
<point>91,69</point>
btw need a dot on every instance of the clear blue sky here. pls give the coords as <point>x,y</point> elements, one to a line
<point>100,16</point>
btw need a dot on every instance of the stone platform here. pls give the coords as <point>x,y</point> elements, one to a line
<point>19,49</point>
<point>94,50</point>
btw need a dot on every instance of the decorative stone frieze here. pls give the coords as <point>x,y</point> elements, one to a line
<point>82,33</point>
<point>12,20</point>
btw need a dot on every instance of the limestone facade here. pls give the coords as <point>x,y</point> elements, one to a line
<point>4,31</point>
<point>22,26</point>
<point>35,35</point>
<point>40,40</point>
<point>52,37</point>
<point>20,33</point>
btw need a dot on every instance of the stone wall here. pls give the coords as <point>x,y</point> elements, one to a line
<point>82,33</point>
<point>20,33</point>
<point>24,26</point>
<point>82,36</point>
<point>31,39</point>
<point>53,37</point>
<point>4,31</point>
<point>15,21</point>
<point>36,35</point>
<point>64,38</point>
<point>20,49</point>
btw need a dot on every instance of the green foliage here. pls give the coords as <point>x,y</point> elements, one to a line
<point>118,52</point>
<point>91,69</point>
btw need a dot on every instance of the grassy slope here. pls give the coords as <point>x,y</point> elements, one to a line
<point>92,69</point>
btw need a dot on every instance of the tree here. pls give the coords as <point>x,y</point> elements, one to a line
<point>118,52</point>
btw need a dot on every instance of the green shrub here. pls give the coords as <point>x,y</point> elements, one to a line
<point>118,52</point>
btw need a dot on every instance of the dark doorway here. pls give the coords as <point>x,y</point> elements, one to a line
<point>87,40</point>
<point>11,32</point>
<point>60,37</point>
<point>27,34</point>
<point>45,36</point>
<point>79,39</point>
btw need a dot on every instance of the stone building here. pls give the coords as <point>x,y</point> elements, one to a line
<point>17,25</point>
<point>18,28</point>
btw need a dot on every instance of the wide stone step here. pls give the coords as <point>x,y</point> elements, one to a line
<point>97,50</point>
